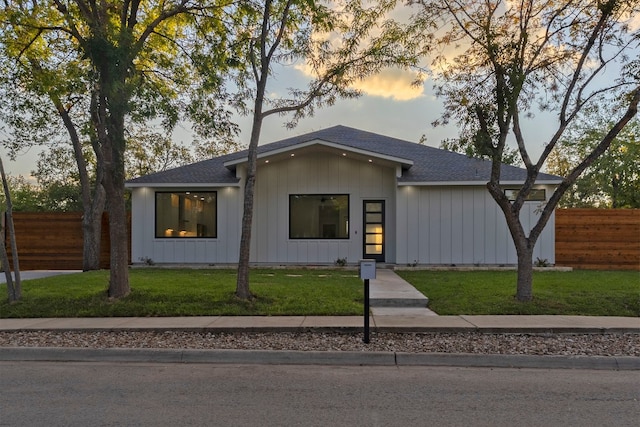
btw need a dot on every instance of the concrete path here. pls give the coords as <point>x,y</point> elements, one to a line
<point>379,323</point>
<point>36,274</point>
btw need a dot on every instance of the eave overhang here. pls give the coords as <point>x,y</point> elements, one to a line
<point>284,151</point>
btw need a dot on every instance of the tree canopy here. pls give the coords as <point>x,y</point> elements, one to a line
<point>496,63</point>
<point>336,44</point>
<point>612,180</point>
<point>135,59</point>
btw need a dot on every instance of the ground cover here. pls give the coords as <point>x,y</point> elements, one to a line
<point>579,292</point>
<point>189,292</point>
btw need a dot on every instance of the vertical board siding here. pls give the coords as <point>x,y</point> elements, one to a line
<point>460,226</point>
<point>53,240</point>
<point>317,172</point>
<point>223,249</point>
<point>603,239</point>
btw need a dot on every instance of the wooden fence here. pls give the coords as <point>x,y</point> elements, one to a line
<point>598,239</point>
<point>53,240</point>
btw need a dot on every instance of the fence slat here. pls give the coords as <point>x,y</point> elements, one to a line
<point>602,239</point>
<point>53,240</point>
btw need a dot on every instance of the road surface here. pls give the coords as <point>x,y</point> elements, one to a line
<point>129,394</point>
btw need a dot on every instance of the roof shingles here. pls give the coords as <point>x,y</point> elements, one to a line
<point>429,164</point>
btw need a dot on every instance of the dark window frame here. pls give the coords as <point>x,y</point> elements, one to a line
<point>184,192</point>
<point>347,237</point>
<point>511,194</point>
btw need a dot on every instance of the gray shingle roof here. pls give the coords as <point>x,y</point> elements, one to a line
<point>429,164</point>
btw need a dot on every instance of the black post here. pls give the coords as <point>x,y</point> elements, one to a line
<point>366,311</point>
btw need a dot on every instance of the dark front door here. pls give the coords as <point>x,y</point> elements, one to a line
<point>373,236</point>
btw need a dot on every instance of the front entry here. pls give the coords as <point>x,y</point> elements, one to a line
<point>373,236</point>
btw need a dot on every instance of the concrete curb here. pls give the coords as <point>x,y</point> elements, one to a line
<point>346,358</point>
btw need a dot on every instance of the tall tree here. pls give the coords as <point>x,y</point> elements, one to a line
<point>337,44</point>
<point>613,180</point>
<point>45,86</point>
<point>136,61</point>
<point>501,59</point>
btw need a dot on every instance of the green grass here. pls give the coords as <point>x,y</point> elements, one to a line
<point>580,292</point>
<point>186,292</point>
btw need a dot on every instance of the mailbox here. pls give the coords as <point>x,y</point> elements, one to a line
<point>367,269</point>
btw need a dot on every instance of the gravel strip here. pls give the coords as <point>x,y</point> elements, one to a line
<point>473,342</point>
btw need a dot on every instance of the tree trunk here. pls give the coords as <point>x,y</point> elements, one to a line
<point>119,255</point>
<point>524,289</point>
<point>7,268</point>
<point>17,288</point>
<point>93,207</point>
<point>243,290</point>
<point>92,230</point>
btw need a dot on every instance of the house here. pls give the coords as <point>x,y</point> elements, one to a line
<point>335,194</point>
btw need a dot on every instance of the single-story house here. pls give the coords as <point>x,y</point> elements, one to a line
<point>335,194</point>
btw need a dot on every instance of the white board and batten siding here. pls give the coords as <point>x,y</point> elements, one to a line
<point>317,173</point>
<point>461,225</point>
<point>220,250</point>
<point>428,225</point>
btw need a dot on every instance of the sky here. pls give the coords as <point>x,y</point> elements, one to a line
<point>393,108</point>
<point>390,105</point>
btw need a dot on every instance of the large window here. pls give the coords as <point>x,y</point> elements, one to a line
<point>319,216</point>
<point>186,214</point>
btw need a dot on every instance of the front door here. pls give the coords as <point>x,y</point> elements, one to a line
<point>373,236</point>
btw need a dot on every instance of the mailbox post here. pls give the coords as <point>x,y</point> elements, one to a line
<point>367,271</point>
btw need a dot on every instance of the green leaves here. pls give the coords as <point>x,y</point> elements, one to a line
<point>613,180</point>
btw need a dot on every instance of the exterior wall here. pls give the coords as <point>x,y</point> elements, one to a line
<point>438,225</point>
<point>317,173</point>
<point>446,225</point>
<point>223,249</point>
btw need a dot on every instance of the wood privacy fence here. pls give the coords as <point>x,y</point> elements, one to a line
<point>598,239</point>
<point>53,240</point>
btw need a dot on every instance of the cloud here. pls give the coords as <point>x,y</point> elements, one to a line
<point>391,83</point>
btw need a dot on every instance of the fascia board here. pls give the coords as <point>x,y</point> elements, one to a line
<point>472,183</point>
<point>404,162</point>
<point>182,184</point>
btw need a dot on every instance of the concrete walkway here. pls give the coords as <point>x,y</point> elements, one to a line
<point>379,323</point>
<point>36,274</point>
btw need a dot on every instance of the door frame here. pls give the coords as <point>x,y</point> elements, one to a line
<point>378,257</point>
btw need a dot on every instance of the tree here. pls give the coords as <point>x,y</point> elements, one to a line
<point>137,55</point>
<point>463,145</point>
<point>150,151</point>
<point>338,47</point>
<point>45,86</point>
<point>505,59</point>
<point>613,180</point>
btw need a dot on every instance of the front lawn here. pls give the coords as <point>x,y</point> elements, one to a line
<point>281,292</point>
<point>580,292</point>
<point>187,292</point>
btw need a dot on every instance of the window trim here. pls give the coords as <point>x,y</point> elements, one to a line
<point>155,213</point>
<point>347,195</point>
<point>509,192</point>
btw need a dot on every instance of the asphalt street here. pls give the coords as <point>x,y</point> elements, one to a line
<point>130,394</point>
